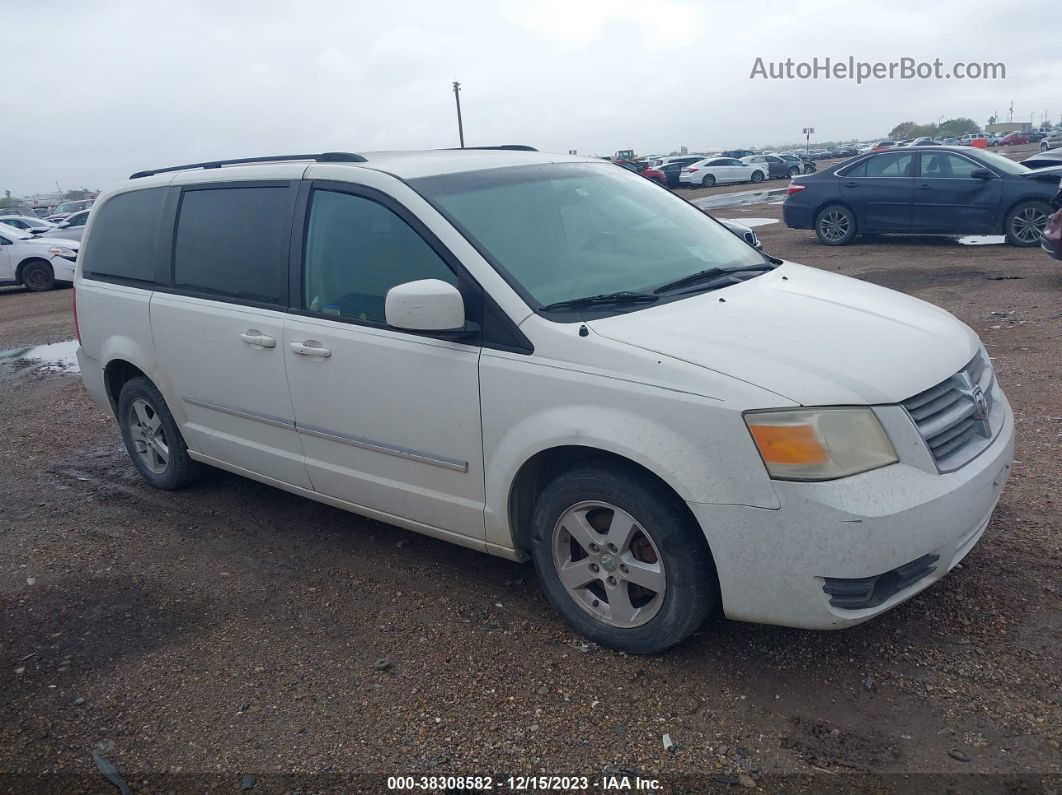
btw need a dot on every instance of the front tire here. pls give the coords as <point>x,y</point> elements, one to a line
<point>621,559</point>
<point>835,225</point>
<point>152,438</point>
<point>793,172</point>
<point>1024,225</point>
<point>38,276</point>
<point>757,176</point>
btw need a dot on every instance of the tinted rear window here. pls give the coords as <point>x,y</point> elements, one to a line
<point>233,243</point>
<point>122,243</point>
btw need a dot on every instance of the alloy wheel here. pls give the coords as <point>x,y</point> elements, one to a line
<point>834,225</point>
<point>149,437</point>
<point>609,564</point>
<point>1028,225</point>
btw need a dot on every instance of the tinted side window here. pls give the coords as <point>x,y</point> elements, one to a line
<point>947,166</point>
<point>233,243</point>
<point>122,243</point>
<point>891,165</point>
<point>357,250</point>
<point>858,170</point>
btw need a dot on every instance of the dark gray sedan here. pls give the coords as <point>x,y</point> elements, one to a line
<point>926,190</point>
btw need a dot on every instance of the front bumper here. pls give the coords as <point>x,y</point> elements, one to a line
<point>773,564</point>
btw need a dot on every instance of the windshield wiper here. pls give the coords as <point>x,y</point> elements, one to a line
<point>709,273</point>
<point>621,297</point>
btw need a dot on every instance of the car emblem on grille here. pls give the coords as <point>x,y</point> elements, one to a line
<point>980,403</point>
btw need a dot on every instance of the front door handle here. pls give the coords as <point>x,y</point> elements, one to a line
<point>924,186</point>
<point>255,337</point>
<point>310,348</point>
<point>851,184</point>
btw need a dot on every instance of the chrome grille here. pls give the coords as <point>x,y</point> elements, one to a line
<point>956,417</point>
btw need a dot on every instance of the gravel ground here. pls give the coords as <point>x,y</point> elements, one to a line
<point>233,630</point>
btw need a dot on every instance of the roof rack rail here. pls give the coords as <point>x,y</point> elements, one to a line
<point>323,157</point>
<point>506,147</point>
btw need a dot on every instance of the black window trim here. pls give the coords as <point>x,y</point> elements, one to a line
<point>478,303</point>
<point>849,167</point>
<point>165,272</point>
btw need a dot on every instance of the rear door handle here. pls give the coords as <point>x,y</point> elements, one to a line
<point>851,184</point>
<point>310,348</point>
<point>924,186</point>
<point>255,337</point>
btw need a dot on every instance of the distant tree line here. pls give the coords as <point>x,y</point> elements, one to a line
<point>952,128</point>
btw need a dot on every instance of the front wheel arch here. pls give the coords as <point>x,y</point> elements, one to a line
<point>544,465</point>
<point>21,269</point>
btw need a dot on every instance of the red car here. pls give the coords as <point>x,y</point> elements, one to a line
<point>881,146</point>
<point>1010,139</point>
<point>645,170</point>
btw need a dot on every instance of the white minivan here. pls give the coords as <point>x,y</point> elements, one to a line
<point>546,357</point>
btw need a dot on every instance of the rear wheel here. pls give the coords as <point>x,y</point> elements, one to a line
<point>152,438</point>
<point>38,276</point>
<point>757,176</point>
<point>1025,223</point>
<point>708,181</point>
<point>835,225</point>
<point>621,559</point>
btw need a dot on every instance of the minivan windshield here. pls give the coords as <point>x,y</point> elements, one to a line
<point>562,232</point>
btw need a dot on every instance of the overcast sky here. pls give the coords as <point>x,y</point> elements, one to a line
<point>112,87</point>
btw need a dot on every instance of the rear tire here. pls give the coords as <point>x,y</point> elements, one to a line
<point>152,438</point>
<point>606,528</point>
<point>1025,223</point>
<point>835,225</point>
<point>37,276</point>
<point>708,181</point>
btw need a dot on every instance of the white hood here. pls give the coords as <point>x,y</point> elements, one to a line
<point>815,337</point>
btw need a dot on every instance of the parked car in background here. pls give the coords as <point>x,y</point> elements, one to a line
<point>795,164</point>
<point>64,209</point>
<point>37,263</point>
<point>672,170</point>
<point>720,171</point>
<point>925,141</point>
<point>1053,140</point>
<point>553,360</point>
<point>777,168</point>
<point>28,223</point>
<point>1048,159</point>
<point>819,154</point>
<point>71,227</point>
<point>1013,139</point>
<point>881,146</point>
<point>746,233</point>
<point>949,141</point>
<point>924,190</point>
<point>737,154</point>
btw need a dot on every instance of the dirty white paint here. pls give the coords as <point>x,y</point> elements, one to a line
<point>58,356</point>
<point>753,221</point>
<point>983,240</point>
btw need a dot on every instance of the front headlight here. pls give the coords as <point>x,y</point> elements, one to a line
<point>62,251</point>
<point>819,444</point>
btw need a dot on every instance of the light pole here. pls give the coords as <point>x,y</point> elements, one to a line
<point>460,126</point>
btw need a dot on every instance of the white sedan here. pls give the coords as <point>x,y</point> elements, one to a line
<point>37,263</point>
<point>720,170</point>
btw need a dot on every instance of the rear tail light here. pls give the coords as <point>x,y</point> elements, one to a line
<point>690,170</point>
<point>794,187</point>
<point>77,331</point>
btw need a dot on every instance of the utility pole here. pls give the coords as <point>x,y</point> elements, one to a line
<point>457,99</point>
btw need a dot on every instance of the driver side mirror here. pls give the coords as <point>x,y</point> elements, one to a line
<point>425,305</point>
<point>982,173</point>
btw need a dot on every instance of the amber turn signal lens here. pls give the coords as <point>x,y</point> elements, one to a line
<point>788,444</point>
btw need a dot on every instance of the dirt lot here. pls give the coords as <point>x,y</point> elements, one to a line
<point>230,629</point>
